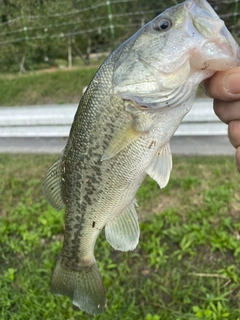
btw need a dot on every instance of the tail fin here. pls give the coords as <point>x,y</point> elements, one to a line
<point>84,287</point>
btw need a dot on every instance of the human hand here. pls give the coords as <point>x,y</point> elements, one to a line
<point>224,88</point>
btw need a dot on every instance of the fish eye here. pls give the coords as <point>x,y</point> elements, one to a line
<point>162,25</point>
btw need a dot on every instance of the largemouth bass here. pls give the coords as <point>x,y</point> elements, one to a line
<point>121,132</point>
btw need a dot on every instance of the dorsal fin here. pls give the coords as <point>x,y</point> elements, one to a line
<point>51,185</point>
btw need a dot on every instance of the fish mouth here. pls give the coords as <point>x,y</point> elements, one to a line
<point>219,49</point>
<point>201,7</point>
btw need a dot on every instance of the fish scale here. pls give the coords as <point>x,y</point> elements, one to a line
<point>121,132</point>
<point>86,153</point>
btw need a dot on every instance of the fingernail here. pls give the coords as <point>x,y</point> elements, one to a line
<point>232,83</point>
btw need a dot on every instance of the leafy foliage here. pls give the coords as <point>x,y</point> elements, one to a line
<point>36,34</point>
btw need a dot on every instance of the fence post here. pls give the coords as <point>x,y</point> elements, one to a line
<point>235,14</point>
<point>111,23</point>
<point>27,39</point>
<point>69,53</point>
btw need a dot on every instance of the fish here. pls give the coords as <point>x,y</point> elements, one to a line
<point>121,133</point>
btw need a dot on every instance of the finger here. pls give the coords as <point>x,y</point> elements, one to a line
<point>238,158</point>
<point>224,85</point>
<point>234,133</point>
<point>227,111</point>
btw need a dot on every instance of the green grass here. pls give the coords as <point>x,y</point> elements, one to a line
<point>49,87</point>
<point>186,265</point>
<point>61,86</point>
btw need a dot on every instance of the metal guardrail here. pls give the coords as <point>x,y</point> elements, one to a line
<point>55,121</point>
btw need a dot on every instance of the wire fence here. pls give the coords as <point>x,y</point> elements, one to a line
<point>38,33</point>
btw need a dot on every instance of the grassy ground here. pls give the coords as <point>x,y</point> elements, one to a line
<point>186,265</point>
<point>56,86</point>
<point>52,86</point>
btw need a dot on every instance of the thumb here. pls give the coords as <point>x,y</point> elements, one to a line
<point>224,85</point>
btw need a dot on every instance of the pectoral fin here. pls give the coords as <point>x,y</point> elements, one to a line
<point>160,167</point>
<point>121,140</point>
<point>123,231</point>
<point>51,185</point>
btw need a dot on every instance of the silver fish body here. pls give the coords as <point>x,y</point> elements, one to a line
<point>121,132</point>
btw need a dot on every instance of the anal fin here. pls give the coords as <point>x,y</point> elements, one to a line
<point>160,167</point>
<point>123,231</point>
